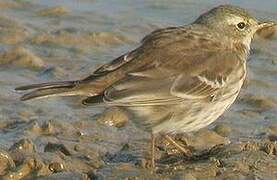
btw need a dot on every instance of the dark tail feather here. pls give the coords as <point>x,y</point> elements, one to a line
<point>47,85</point>
<point>94,100</point>
<point>48,89</point>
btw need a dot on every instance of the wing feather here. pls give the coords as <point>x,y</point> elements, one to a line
<point>170,67</point>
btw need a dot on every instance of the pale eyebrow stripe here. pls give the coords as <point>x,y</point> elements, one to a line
<point>234,20</point>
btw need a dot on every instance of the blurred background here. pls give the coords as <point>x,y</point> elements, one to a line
<point>49,40</point>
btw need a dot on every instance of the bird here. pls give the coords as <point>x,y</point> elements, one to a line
<point>178,80</point>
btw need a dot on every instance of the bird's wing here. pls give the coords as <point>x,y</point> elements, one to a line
<point>176,67</point>
<point>113,65</point>
<point>159,39</point>
<point>156,88</point>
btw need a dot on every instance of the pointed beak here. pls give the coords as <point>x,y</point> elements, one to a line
<point>266,29</point>
<point>262,25</point>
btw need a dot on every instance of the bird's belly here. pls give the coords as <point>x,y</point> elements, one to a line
<point>198,115</point>
<point>207,115</point>
<point>188,116</point>
<point>194,115</point>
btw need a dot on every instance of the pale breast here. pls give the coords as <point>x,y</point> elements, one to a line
<point>195,114</point>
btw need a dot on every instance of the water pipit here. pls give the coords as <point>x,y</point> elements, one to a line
<point>180,79</point>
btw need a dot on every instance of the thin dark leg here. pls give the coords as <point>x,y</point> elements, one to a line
<point>180,148</point>
<point>152,150</point>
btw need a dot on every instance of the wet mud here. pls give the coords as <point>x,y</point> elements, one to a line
<point>59,138</point>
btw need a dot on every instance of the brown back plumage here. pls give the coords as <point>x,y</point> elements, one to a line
<point>165,53</point>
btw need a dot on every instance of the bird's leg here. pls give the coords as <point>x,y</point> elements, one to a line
<point>152,150</point>
<point>179,147</point>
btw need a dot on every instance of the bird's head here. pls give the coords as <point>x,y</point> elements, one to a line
<point>233,22</point>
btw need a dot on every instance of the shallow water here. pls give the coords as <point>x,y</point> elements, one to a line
<point>60,40</point>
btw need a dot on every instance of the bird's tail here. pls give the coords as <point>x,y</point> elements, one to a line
<point>63,88</point>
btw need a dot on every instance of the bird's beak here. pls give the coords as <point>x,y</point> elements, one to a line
<point>263,25</point>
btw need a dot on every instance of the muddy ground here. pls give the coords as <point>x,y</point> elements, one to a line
<point>59,138</point>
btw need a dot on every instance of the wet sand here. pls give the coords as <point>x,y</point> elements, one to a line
<point>59,138</point>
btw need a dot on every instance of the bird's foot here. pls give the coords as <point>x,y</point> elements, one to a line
<point>180,148</point>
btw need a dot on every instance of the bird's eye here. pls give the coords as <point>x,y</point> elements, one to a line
<point>241,25</point>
